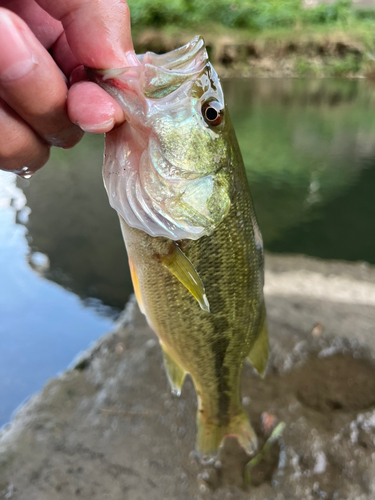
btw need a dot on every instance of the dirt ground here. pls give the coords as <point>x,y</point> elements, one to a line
<point>109,428</point>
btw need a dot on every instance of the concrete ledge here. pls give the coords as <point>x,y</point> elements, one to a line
<point>108,428</point>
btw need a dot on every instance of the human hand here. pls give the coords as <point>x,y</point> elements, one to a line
<point>44,45</point>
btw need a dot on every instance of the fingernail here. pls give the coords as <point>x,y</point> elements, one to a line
<point>98,128</point>
<point>16,58</point>
<point>78,75</point>
<point>132,58</point>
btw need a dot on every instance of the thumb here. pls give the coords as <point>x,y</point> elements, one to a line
<point>97,31</point>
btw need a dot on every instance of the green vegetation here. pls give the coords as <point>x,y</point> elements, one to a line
<point>254,15</point>
<point>347,65</point>
<point>334,40</point>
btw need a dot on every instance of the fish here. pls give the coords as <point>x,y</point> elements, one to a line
<point>174,173</point>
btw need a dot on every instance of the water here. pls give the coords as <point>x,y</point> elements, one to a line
<point>43,326</point>
<point>309,149</point>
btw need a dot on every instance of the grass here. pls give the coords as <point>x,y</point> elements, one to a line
<point>252,15</point>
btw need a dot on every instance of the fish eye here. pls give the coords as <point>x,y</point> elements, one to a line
<point>212,113</point>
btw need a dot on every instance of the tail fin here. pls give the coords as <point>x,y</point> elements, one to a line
<point>210,434</point>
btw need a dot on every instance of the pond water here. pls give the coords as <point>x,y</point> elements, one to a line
<point>309,151</point>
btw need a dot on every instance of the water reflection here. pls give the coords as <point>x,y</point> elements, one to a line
<point>304,142</point>
<point>342,229</point>
<point>42,325</point>
<point>72,223</point>
<point>309,149</point>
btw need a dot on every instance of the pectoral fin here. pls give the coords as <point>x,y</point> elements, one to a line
<point>258,356</point>
<point>175,374</point>
<point>137,290</point>
<point>181,267</point>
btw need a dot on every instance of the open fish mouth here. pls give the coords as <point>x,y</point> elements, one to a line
<point>183,58</point>
<point>165,169</point>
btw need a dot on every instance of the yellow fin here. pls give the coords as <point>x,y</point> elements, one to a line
<point>258,356</point>
<point>210,435</point>
<point>181,267</point>
<point>175,374</point>
<point>137,289</point>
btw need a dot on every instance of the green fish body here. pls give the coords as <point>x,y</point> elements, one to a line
<point>175,175</point>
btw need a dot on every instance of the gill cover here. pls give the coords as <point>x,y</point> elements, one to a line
<point>166,171</point>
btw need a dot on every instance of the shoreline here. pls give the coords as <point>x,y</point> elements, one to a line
<point>292,54</point>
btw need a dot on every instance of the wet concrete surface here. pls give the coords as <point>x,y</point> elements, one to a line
<point>109,428</point>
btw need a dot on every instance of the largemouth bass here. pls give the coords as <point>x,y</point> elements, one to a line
<point>175,175</point>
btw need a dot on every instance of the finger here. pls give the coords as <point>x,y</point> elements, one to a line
<point>64,56</point>
<point>92,108</point>
<point>98,31</point>
<point>46,29</point>
<point>21,150</point>
<point>32,84</point>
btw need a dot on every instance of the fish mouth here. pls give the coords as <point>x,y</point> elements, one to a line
<point>159,74</point>
<point>182,58</point>
<point>192,56</point>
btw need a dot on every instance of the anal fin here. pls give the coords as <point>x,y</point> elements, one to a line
<point>176,375</point>
<point>181,267</point>
<point>258,356</point>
